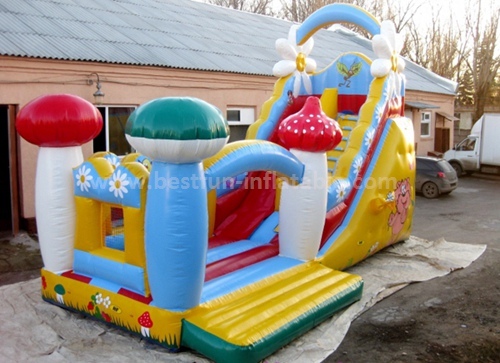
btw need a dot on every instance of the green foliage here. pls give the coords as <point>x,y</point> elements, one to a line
<point>342,68</point>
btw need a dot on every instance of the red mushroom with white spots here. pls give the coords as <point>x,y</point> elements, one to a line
<point>59,124</point>
<point>146,323</point>
<point>309,134</point>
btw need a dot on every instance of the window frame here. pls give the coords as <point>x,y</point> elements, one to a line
<point>426,122</point>
<point>106,123</point>
<point>247,117</point>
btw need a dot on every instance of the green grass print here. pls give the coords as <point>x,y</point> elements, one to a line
<point>168,341</point>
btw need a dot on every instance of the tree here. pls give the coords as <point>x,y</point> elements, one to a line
<point>440,48</point>
<point>483,64</point>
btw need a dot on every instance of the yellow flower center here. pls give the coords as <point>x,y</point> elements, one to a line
<point>394,61</point>
<point>117,184</point>
<point>301,62</point>
<point>82,179</point>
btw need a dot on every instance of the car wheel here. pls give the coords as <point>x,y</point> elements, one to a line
<point>430,190</point>
<point>458,168</point>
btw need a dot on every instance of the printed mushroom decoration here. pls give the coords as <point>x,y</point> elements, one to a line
<point>146,323</point>
<point>176,134</point>
<point>59,124</point>
<point>308,134</point>
<point>60,291</point>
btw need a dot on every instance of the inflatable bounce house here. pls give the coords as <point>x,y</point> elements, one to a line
<point>231,250</point>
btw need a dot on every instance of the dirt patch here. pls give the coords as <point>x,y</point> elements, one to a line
<point>483,351</point>
<point>20,259</point>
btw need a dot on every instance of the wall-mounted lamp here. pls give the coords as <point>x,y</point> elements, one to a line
<point>98,95</point>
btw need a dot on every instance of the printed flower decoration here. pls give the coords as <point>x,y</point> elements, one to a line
<point>341,192</point>
<point>83,177</point>
<point>118,183</point>
<point>357,165</point>
<point>369,137</point>
<point>387,45</point>
<point>106,302</point>
<point>113,159</point>
<point>99,299</point>
<point>295,60</point>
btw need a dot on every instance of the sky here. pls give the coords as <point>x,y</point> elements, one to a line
<point>426,9</point>
<point>458,7</point>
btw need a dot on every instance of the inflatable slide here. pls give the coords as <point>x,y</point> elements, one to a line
<point>236,249</point>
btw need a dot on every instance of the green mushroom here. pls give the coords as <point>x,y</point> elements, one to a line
<point>177,130</point>
<point>60,291</point>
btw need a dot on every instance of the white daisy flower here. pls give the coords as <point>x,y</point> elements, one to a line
<point>341,192</point>
<point>99,299</point>
<point>387,45</point>
<point>106,302</point>
<point>83,178</point>
<point>118,183</point>
<point>295,60</point>
<point>113,159</point>
<point>357,165</point>
<point>369,137</point>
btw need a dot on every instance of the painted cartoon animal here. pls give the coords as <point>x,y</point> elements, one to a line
<point>348,73</point>
<point>402,200</point>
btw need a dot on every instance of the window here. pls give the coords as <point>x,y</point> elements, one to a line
<point>114,227</point>
<point>239,118</point>
<point>112,136</point>
<point>425,124</point>
<point>468,144</point>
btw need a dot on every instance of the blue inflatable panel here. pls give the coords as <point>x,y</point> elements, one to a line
<point>266,231</point>
<point>125,275</point>
<point>117,242</point>
<point>337,13</point>
<point>103,284</point>
<point>254,156</point>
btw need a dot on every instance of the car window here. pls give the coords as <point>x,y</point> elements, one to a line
<point>423,165</point>
<point>467,145</point>
<point>445,166</point>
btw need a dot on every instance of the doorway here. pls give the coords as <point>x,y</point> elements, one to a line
<point>9,208</point>
<point>442,140</point>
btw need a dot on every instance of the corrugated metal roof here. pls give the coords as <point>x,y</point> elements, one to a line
<point>170,33</point>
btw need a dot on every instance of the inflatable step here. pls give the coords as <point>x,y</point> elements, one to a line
<point>347,126</point>
<point>253,322</point>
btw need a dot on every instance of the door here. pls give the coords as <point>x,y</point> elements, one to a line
<point>9,208</point>
<point>442,140</point>
<point>468,153</point>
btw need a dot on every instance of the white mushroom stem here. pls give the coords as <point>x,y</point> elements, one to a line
<point>55,205</point>
<point>60,298</point>
<point>303,208</point>
<point>144,331</point>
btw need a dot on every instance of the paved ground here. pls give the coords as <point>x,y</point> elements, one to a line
<point>448,319</point>
<point>20,258</point>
